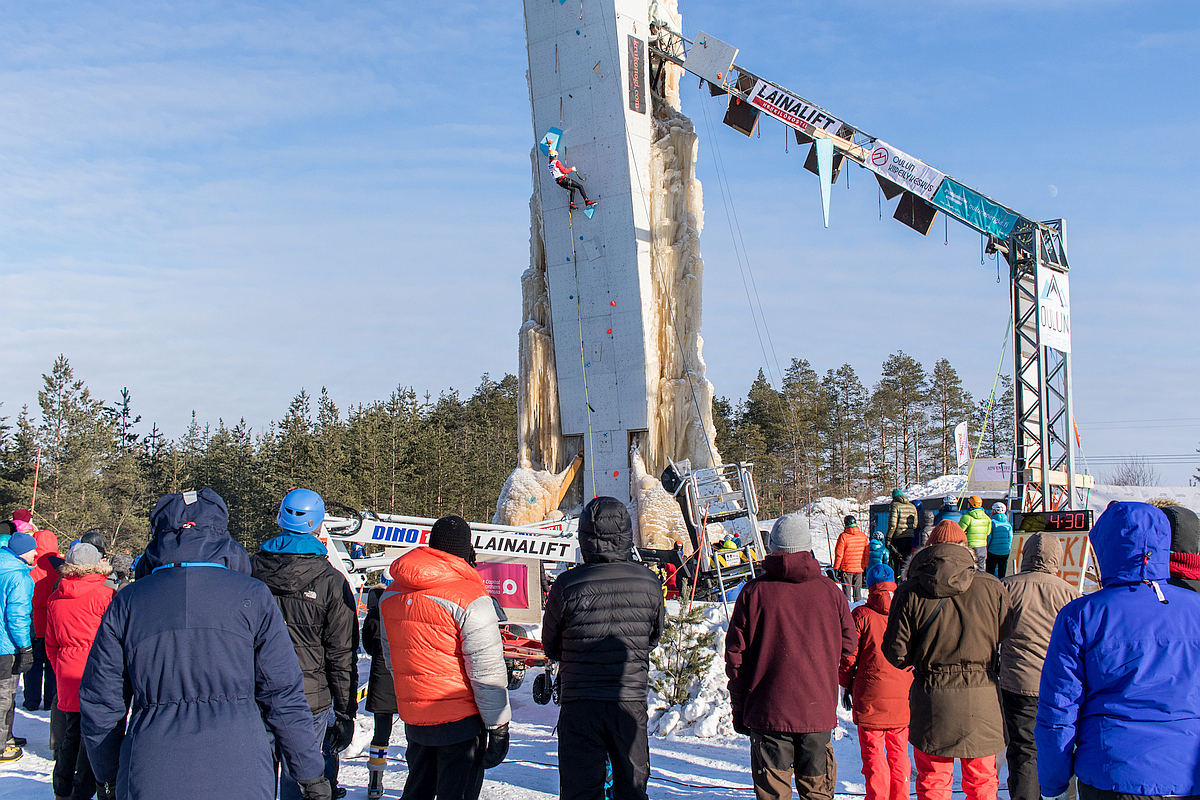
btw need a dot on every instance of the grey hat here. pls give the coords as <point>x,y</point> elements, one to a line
<point>83,555</point>
<point>790,534</point>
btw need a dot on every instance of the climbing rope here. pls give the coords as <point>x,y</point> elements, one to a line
<point>991,401</point>
<point>587,401</point>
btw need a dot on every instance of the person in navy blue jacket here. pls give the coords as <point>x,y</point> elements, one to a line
<point>199,651</point>
<point>1119,701</point>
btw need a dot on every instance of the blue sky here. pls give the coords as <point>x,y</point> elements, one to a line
<point>217,204</point>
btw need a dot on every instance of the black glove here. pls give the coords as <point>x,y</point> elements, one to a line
<point>23,660</point>
<point>847,700</point>
<point>341,732</point>
<point>739,724</point>
<point>316,789</point>
<point>106,791</point>
<point>497,746</point>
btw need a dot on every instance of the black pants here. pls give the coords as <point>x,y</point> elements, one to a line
<point>451,772</point>
<point>1020,715</point>
<point>72,771</point>
<point>593,731</point>
<point>852,581</point>
<point>997,565</point>
<point>573,187</point>
<point>40,686</point>
<point>383,729</point>
<point>1092,793</point>
<point>9,683</point>
<point>776,757</point>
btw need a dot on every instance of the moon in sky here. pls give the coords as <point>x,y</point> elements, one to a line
<point>1053,190</point>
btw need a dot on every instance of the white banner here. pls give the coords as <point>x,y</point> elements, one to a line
<point>1054,309</point>
<point>904,170</point>
<point>791,109</point>
<point>961,443</point>
<point>990,475</point>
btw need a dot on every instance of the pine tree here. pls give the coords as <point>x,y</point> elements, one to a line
<point>998,426</point>
<point>948,405</point>
<point>845,434</point>
<point>683,655</point>
<point>902,392</point>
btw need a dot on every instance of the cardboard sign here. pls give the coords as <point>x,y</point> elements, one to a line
<point>904,170</point>
<point>1077,556</point>
<point>508,583</point>
<point>1054,309</point>
<point>790,109</point>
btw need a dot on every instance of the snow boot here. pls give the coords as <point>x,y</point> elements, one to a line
<point>589,203</point>
<point>11,753</point>
<point>374,784</point>
<point>19,741</point>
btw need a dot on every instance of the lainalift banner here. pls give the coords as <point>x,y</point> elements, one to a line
<point>903,170</point>
<point>791,109</point>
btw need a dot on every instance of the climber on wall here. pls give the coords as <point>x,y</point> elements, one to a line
<point>560,174</point>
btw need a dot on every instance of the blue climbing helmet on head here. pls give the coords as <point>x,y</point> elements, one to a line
<point>302,511</point>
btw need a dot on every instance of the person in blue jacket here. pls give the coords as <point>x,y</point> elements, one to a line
<point>16,632</point>
<point>1120,689</point>
<point>878,550</point>
<point>204,655</point>
<point>999,543</point>
<point>949,510</point>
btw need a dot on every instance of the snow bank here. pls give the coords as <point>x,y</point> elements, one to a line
<point>707,714</point>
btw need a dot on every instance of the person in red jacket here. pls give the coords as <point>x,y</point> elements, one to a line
<point>851,556</point>
<point>877,693</point>
<point>39,681</point>
<point>789,631</point>
<point>73,614</point>
<point>441,641</point>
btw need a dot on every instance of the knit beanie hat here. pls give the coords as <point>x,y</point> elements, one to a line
<point>452,534</point>
<point>83,554</point>
<point>1185,529</point>
<point>897,494</point>
<point>946,531</point>
<point>21,543</point>
<point>879,573</point>
<point>790,534</point>
<point>22,515</point>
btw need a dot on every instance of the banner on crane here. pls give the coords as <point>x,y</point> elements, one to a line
<point>508,583</point>
<point>790,109</point>
<point>904,170</point>
<point>541,547</point>
<point>962,444</point>
<point>974,209</point>
<point>1054,309</point>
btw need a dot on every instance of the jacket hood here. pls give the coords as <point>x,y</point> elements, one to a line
<point>880,597</point>
<point>943,570</point>
<point>81,585</point>
<point>1043,552</point>
<point>295,543</point>
<point>47,545</point>
<point>191,532</point>
<point>288,573</point>
<point>1132,543</point>
<point>425,568</point>
<point>793,567</point>
<point>1185,529</point>
<point>605,531</point>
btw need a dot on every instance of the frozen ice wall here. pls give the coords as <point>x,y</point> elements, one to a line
<point>636,266</point>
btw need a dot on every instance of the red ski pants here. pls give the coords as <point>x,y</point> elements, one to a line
<point>885,763</point>
<point>935,775</point>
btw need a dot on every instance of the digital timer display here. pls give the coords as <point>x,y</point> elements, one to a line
<point>1056,521</point>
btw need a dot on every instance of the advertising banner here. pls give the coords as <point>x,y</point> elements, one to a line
<point>1054,309</point>
<point>540,547</point>
<point>902,169</point>
<point>990,475</point>
<point>954,198</point>
<point>508,583</point>
<point>962,444</point>
<point>637,75</point>
<point>790,109</point>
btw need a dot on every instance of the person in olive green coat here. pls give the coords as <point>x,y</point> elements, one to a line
<point>978,527</point>
<point>902,525</point>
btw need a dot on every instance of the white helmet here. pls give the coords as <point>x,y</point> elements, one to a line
<point>1000,508</point>
<point>553,153</point>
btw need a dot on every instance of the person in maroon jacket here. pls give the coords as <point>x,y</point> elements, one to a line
<point>877,693</point>
<point>789,630</point>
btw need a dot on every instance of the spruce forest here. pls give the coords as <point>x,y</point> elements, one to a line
<point>102,468</point>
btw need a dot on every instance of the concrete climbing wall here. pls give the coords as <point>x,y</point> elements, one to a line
<point>588,74</point>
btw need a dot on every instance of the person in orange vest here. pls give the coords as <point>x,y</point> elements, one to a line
<point>851,556</point>
<point>442,644</point>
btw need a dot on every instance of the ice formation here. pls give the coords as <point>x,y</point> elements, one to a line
<point>659,519</point>
<point>528,496</point>
<point>680,402</point>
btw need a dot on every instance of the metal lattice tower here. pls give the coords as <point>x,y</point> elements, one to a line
<point>1045,418</point>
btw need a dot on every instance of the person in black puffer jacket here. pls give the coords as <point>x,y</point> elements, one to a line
<point>319,610</point>
<point>602,620</point>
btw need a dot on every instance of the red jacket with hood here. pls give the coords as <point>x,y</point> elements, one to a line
<point>72,618</point>
<point>44,577</point>
<point>880,691</point>
<point>789,630</point>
